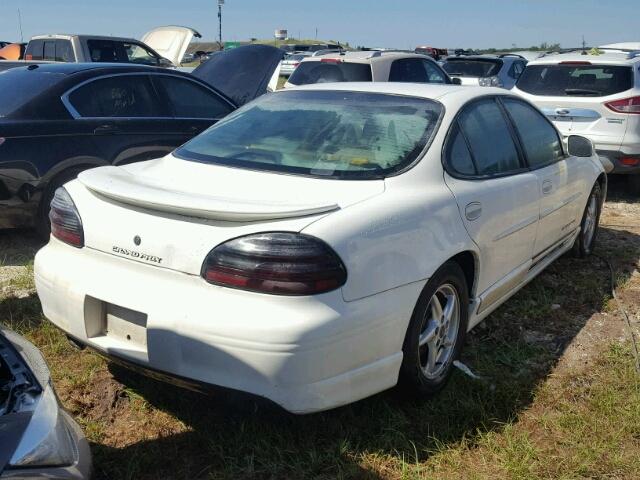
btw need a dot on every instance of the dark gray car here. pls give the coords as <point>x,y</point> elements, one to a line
<point>38,439</point>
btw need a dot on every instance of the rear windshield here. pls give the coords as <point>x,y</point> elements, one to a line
<point>18,86</point>
<point>575,80</point>
<point>295,57</point>
<point>349,135</point>
<point>328,71</point>
<point>472,67</point>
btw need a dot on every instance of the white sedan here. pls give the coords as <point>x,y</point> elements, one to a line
<point>320,244</point>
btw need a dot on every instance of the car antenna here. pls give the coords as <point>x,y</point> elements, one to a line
<point>32,67</point>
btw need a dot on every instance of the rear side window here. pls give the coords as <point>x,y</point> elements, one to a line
<point>35,50</point>
<point>330,71</point>
<point>576,80</point>
<point>487,132</point>
<point>64,51</point>
<point>190,100</point>
<point>472,68</point>
<point>458,155</point>
<point>408,70</point>
<point>50,50</point>
<point>415,70</point>
<point>539,139</point>
<point>120,96</point>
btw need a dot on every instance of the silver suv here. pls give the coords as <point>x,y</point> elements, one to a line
<point>368,66</point>
<point>486,70</point>
<point>595,94</point>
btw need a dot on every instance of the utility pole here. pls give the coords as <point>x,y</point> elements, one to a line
<point>220,3</point>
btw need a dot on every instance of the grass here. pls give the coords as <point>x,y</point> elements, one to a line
<point>545,409</point>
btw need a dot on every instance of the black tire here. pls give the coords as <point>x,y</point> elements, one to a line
<point>585,242</point>
<point>412,375</point>
<point>43,226</point>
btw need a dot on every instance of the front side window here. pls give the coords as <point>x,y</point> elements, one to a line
<point>571,80</point>
<point>137,53</point>
<point>328,70</point>
<point>120,52</point>
<point>120,96</point>
<point>539,139</point>
<point>349,135</point>
<point>492,147</point>
<point>434,74</point>
<point>190,100</point>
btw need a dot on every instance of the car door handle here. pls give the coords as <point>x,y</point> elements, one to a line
<point>473,211</point>
<point>106,129</point>
<point>547,187</point>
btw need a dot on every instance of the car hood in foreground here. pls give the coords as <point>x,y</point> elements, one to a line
<point>242,73</point>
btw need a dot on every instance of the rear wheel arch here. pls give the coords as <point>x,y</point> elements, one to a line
<point>468,262</point>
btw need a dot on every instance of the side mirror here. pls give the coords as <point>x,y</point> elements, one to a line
<point>580,146</point>
<point>456,81</point>
<point>165,62</point>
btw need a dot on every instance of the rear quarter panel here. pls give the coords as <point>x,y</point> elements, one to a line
<point>399,237</point>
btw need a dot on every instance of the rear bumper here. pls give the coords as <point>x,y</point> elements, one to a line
<point>612,161</point>
<point>304,353</point>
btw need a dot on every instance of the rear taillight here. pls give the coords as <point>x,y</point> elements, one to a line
<point>630,161</point>
<point>330,60</point>
<point>66,224</point>
<point>490,82</point>
<point>280,263</point>
<point>626,105</point>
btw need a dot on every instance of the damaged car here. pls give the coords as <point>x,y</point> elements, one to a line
<point>322,243</point>
<point>57,120</point>
<point>38,438</point>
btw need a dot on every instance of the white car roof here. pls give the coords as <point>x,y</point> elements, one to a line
<point>365,56</point>
<point>421,90</point>
<point>69,36</point>
<point>613,58</point>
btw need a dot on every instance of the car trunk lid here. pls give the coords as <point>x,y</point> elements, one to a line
<point>171,212</point>
<point>242,73</point>
<point>587,116</point>
<point>171,41</point>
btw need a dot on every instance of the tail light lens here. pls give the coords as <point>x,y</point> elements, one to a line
<point>66,224</point>
<point>490,82</point>
<point>626,105</point>
<point>630,161</point>
<point>279,263</point>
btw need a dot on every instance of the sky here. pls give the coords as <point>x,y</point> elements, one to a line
<point>398,23</point>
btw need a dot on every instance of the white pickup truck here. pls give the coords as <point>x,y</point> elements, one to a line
<point>162,46</point>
